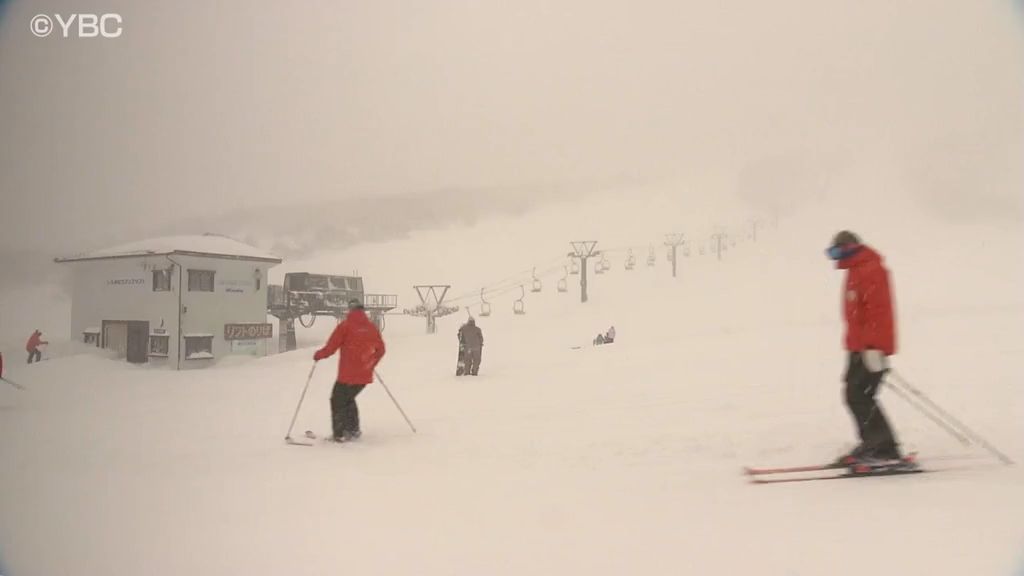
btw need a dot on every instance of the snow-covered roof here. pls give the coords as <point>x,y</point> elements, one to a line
<point>213,245</point>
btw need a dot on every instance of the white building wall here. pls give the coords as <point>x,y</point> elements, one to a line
<point>122,289</point>
<point>235,300</point>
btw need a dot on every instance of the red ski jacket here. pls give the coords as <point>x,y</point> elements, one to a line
<point>867,303</point>
<point>361,348</point>
<point>34,341</point>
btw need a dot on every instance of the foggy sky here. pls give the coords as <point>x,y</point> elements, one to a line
<point>210,107</point>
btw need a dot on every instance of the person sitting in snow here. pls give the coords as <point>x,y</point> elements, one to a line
<point>609,336</point>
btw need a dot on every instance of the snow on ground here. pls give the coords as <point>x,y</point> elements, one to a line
<point>622,459</point>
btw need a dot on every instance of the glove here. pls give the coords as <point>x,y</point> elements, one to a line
<point>875,360</point>
<point>319,355</point>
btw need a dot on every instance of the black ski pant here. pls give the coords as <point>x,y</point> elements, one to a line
<point>473,360</point>
<point>344,410</point>
<point>861,386</point>
<point>34,356</point>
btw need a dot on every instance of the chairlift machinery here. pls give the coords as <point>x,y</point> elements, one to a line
<point>305,296</point>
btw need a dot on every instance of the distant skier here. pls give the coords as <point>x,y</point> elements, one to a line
<point>471,338</point>
<point>870,339</point>
<point>361,349</point>
<point>32,346</point>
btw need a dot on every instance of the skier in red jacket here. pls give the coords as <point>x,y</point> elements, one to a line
<point>361,349</point>
<point>32,346</point>
<point>870,340</point>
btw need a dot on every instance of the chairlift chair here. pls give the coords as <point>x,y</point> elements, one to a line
<point>536,282</point>
<point>575,267</point>
<point>519,307</point>
<point>563,284</point>
<point>485,306</point>
<point>307,323</point>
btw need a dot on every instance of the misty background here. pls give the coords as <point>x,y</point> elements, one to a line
<point>333,123</point>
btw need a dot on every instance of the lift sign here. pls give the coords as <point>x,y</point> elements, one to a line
<point>248,331</point>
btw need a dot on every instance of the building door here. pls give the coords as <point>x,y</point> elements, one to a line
<point>138,342</point>
<point>115,337</point>
<point>128,339</point>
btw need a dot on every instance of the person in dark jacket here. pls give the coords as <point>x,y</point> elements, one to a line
<point>870,340</point>
<point>361,349</point>
<point>32,346</point>
<point>471,338</point>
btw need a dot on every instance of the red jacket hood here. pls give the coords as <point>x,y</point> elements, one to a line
<point>865,255</point>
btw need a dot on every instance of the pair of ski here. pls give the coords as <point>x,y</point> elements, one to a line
<point>310,438</point>
<point>833,471</point>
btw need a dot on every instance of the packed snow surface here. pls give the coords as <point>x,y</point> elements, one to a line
<point>561,457</point>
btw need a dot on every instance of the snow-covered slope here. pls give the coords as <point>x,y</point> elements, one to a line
<point>620,459</point>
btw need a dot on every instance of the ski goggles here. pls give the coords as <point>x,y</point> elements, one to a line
<point>841,251</point>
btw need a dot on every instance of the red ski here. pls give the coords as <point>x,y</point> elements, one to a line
<point>794,469</point>
<point>845,475</point>
<point>906,465</point>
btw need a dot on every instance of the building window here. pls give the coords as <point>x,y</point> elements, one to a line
<point>198,346</point>
<point>162,280</point>
<point>91,336</point>
<point>257,284</point>
<point>200,280</point>
<point>159,345</point>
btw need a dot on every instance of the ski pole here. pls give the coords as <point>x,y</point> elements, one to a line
<point>288,436</point>
<point>909,400</point>
<point>952,420</point>
<point>407,421</point>
<point>13,383</point>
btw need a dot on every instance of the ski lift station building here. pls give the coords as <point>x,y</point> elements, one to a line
<point>180,302</point>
